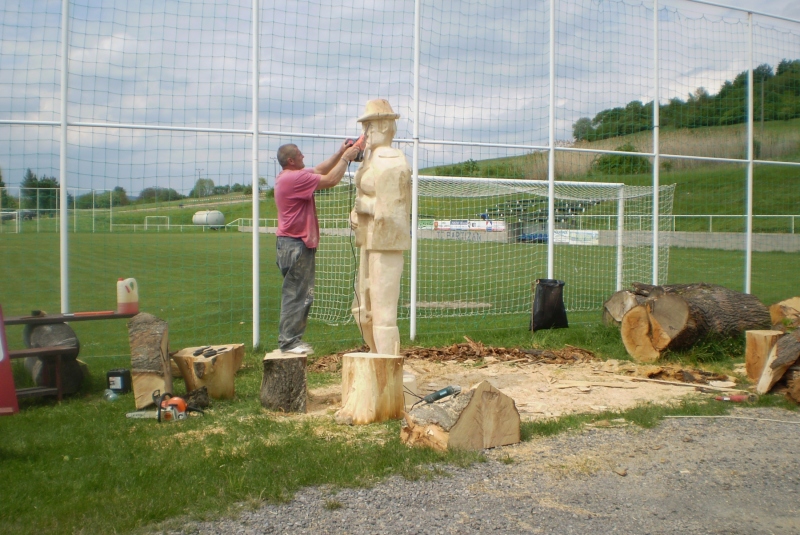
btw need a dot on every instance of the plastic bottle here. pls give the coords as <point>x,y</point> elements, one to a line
<point>127,296</point>
<point>110,395</point>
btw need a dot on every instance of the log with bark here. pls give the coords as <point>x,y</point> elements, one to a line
<point>216,372</point>
<point>675,317</point>
<point>150,366</point>
<point>782,356</point>
<point>479,418</point>
<point>785,314</point>
<point>284,386</point>
<point>372,388</point>
<point>793,383</point>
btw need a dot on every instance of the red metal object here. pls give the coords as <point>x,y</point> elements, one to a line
<point>8,394</point>
<point>737,398</point>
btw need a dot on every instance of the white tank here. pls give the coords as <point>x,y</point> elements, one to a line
<point>211,218</point>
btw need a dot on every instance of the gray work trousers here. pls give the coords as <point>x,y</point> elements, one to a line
<point>297,265</point>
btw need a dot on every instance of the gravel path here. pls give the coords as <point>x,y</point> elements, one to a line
<point>686,476</point>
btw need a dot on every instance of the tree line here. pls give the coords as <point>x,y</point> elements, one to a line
<point>43,193</point>
<point>776,97</point>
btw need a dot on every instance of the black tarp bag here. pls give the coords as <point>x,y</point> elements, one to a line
<point>548,305</point>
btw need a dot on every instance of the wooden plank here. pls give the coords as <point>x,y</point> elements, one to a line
<point>36,391</point>
<point>51,351</point>
<point>63,318</point>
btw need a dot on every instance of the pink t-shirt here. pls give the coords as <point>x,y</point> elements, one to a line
<point>297,212</point>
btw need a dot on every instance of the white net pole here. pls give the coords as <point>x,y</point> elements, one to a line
<point>551,162</point>
<point>256,186</point>
<point>64,234</point>
<point>748,255</point>
<point>656,148</point>
<point>415,180</point>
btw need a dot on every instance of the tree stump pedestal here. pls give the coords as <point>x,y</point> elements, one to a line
<point>284,387</point>
<point>372,388</point>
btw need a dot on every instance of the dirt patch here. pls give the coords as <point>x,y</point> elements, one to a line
<point>543,383</point>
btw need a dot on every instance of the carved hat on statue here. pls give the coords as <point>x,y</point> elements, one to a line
<point>378,109</point>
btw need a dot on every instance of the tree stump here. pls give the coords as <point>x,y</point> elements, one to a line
<point>480,418</point>
<point>43,369</point>
<point>678,316</point>
<point>783,355</point>
<point>150,367</point>
<point>284,387</point>
<point>372,388</point>
<point>758,346</point>
<point>216,372</point>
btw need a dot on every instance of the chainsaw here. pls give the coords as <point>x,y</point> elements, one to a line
<point>169,408</point>
<point>361,143</point>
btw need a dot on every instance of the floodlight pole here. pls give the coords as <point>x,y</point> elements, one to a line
<point>748,255</point>
<point>551,162</point>
<point>256,197</point>
<point>656,144</point>
<point>415,181</point>
<point>64,205</point>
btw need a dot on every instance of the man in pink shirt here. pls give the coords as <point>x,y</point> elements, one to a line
<point>298,235</point>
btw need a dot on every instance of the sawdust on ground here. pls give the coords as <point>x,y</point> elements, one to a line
<point>543,383</point>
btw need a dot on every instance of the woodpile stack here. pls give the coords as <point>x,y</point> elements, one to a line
<point>654,319</point>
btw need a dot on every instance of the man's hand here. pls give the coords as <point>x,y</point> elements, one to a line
<point>350,153</point>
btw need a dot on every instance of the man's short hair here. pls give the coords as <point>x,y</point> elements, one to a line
<point>285,152</point>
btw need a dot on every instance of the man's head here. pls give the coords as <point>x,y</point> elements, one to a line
<point>290,157</point>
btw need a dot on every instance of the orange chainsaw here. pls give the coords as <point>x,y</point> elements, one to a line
<point>361,143</point>
<point>169,408</point>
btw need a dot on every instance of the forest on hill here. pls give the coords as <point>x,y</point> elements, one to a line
<point>776,97</point>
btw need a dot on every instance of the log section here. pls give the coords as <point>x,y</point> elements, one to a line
<point>216,373</point>
<point>676,317</point>
<point>150,367</point>
<point>782,356</point>
<point>480,418</point>
<point>284,387</point>
<point>616,306</point>
<point>758,346</point>
<point>372,388</point>
<point>785,314</point>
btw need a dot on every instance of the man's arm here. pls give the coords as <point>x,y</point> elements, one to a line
<point>327,166</point>
<point>335,174</point>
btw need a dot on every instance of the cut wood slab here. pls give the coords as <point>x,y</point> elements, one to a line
<point>677,316</point>
<point>786,314</point>
<point>616,306</point>
<point>372,388</point>
<point>283,386</point>
<point>150,367</point>
<point>479,418</point>
<point>758,345</point>
<point>783,355</point>
<point>217,373</point>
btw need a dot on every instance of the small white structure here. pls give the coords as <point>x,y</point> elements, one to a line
<point>209,218</point>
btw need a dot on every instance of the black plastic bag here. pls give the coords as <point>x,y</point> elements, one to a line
<point>548,305</point>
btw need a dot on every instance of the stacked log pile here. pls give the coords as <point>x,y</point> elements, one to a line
<point>773,356</point>
<point>654,319</point>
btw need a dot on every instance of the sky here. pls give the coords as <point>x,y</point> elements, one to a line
<point>483,78</point>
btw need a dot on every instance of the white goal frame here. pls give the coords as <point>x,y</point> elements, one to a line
<point>157,225</point>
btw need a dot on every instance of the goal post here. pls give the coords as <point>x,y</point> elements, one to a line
<point>156,221</point>
<point>482,242</point>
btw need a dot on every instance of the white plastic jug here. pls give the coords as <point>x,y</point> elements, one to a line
<point>127,296</point>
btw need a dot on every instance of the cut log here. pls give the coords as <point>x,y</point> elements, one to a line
<point>284,387</point>
<point>678,316</point>
<point>616,306</point>
<point>793,383</point>
<point>758,346</point>
<point>372,388</point>
<point>216,372</point>
<point>786,314</point>
<point>479,418</point>
<point>783,355</point>
<point>150,367</point>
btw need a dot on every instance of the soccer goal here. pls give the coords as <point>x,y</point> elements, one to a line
<point>156,222</point>
<point>482,242</point>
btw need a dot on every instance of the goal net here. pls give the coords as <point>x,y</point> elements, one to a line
<point>482,242</point>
